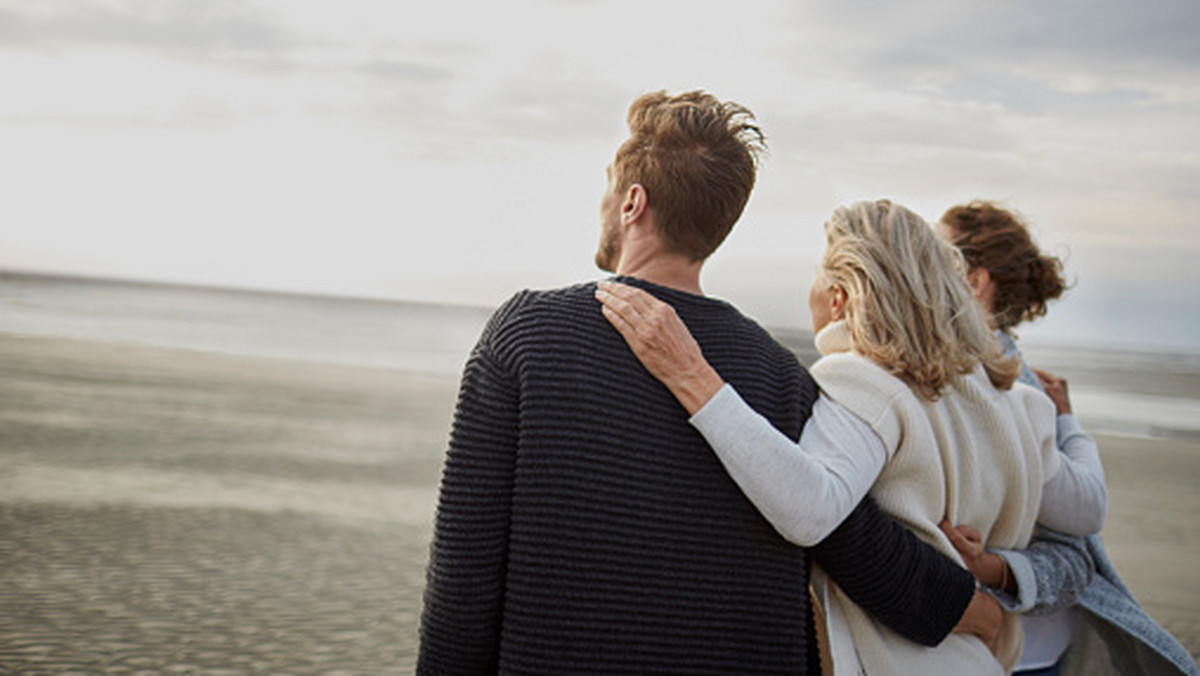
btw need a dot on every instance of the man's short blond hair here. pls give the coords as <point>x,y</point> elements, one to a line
<point>697,158</point>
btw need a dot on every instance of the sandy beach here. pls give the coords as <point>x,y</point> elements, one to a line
<point>1152,534</point>
<point>174,511</point>
<point>169,511</point>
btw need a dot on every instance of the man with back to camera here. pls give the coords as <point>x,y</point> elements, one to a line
<point>582,524</point>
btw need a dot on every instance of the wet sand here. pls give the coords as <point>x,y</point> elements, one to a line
<point>1152,532</point>
<point>168,511</point>
<point>174,512</point>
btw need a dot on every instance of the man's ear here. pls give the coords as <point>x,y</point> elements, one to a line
<point>635,204</point>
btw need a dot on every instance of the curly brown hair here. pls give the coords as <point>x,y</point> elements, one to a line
<point>697,158</point>
<point>999,241</point>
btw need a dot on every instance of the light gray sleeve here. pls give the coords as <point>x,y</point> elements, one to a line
<point>1051,574</point>
<point>806,489</point>
<point>1074,499</point>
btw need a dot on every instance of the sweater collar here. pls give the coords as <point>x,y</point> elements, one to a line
<point>834,338</point>
<point>667,294</point>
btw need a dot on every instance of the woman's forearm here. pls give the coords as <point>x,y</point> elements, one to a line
<point>696,388</point>
<point>803,489</point>
<point>1075,499</point>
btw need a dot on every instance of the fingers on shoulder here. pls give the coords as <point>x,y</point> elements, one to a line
<point>662,315</point>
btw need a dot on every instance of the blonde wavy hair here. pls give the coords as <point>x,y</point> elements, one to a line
<point>908,305</point>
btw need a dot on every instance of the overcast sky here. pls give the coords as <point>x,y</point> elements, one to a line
<point>455,151</point>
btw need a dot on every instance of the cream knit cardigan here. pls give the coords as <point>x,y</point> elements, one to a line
<point>977,456</point>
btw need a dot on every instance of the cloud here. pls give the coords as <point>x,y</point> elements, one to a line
<point>179,28</point>
<point>1085,33</point>
<point>404,73</point>
<point>391,70</point>
<point>547,105</point>
<point>1078,110</point>
<point>1027,55</point>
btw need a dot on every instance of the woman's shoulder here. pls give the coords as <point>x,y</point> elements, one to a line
<point>851,370</point>
<point>1034,401</point>
<point>886,403</point>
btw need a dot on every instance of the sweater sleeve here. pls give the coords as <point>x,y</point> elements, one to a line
<point>460,623</point>
<point>803,489</point>
<point>1074,498</point>
<point>1051,574</point>
<point>887,571</point>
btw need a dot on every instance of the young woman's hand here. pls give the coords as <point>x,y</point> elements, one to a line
<point>1056,387</point>
<point>661,341</point>
<point>989,569</point>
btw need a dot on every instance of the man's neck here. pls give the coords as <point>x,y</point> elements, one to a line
<point>671,271</point>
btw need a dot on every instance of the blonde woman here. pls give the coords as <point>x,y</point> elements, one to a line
<point>918,408</point>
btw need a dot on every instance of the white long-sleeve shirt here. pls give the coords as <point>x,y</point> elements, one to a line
<point>806,489</point>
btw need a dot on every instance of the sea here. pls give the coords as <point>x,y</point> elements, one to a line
<point>1121,392</point>
<point>411,336</point>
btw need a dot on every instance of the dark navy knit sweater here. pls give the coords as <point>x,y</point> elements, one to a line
<point>584,526</point>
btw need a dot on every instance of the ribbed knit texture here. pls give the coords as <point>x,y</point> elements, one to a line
<point>975,456</point>
<point>584,526</point>
<point>901,581</point>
